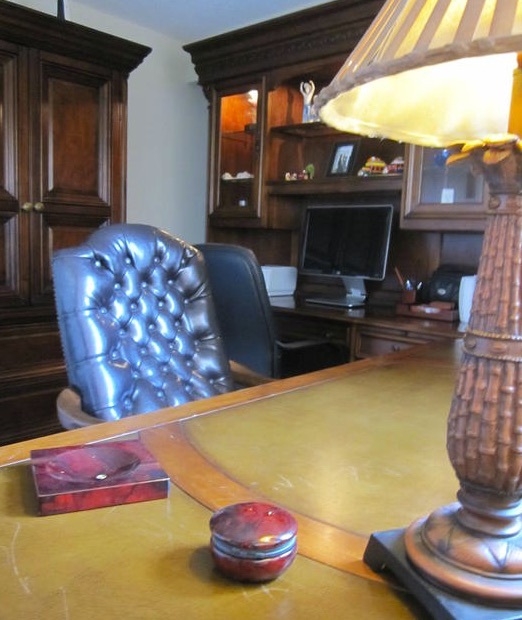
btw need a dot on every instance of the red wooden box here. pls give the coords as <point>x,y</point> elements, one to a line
<point>426,311</point>
<point>73,478</point>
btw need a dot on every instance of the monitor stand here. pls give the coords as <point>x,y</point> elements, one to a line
<point>355,296</point>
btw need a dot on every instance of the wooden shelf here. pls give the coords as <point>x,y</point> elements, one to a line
<point>332,186</point>
<point>303,130</point>
<point>240,181</point>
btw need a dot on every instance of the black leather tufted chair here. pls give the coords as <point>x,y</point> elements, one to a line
<point>137,323</point>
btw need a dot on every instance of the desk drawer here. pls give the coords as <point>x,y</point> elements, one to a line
<point>370,343</point>
<point>290,328</point>
<point>332,348</point>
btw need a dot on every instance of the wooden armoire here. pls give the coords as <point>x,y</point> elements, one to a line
<point>63,104</point>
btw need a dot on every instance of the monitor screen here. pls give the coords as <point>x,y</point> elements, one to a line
<point>347,241</point>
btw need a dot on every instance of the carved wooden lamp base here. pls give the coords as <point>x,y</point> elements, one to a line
<point>473,548</point>
<point>454,558</point>
<point>386,552</point>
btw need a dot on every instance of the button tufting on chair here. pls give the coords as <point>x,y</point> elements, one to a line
<point>137,323</point>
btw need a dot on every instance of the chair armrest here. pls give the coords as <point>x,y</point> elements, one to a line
<point>70,413</point>
<point>245,377</point>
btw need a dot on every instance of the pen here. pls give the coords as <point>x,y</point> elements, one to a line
<point>399,277</point>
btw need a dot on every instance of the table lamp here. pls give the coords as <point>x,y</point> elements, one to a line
<point>446,73</point>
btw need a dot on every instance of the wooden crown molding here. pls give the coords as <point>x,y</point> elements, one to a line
<point>32,28</point>
<point>320,32</point>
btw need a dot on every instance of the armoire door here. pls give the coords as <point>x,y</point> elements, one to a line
<point>14,262</point>
<point>63,110</point>
<point>76,159</point>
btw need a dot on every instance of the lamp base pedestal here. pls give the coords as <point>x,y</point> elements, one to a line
<point>386,552</point>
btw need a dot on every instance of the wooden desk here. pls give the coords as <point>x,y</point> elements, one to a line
<point>359,332</point>
<point>349,450</point>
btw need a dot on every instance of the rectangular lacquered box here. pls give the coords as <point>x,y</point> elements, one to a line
<point>83,477</point>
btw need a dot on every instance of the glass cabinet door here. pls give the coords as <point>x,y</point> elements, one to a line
<point>441,197</point>
<point>237,158</point>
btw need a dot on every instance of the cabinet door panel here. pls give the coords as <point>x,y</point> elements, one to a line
<point>57,231</point>
<point>75,136</point>
<point>238,121</point>
<point>441,197</point>
<point>76,191</point>
<point>9,68</point>
<point>13,288</point>
<point>14,264</point>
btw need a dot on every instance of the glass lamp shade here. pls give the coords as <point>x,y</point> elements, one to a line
<point>430,72</point>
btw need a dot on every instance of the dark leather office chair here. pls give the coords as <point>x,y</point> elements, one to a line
<point>242,306</point>
<point>244,311</point>
<point>138,325</point>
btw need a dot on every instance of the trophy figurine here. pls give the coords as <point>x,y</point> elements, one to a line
<point>307,90</point>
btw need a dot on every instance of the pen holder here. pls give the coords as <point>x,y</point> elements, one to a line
<point>409,296</point>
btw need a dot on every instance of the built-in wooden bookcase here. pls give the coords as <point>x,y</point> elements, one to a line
<point>263,211</point>
<point>276,57</point>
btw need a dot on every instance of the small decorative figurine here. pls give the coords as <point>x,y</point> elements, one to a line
<point>310,170</point>
<point>307,90</point>
<point>304,175</point>
<point>373,166</point>
<point>396,166</point>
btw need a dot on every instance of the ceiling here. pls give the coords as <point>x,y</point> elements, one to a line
<point>192,20</point>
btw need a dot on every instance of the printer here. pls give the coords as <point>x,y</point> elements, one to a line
<point>279,279</point>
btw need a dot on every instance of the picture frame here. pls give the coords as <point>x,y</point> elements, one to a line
<point>343,156</point>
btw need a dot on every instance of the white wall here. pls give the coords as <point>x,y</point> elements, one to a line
<point>167,128</point>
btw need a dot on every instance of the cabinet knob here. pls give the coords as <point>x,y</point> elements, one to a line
<point>29,206</point>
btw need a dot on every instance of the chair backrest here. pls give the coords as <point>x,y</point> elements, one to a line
<point>242,306</point>
<point>137,322</point>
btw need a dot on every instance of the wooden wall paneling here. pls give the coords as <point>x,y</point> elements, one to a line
<point>416,254</point>
<point>461,249</point>
<point>271,247</point>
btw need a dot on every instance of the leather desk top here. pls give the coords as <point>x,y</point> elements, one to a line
<point>348,451</point>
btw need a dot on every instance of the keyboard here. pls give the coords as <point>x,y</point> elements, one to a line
<point>345,301</point>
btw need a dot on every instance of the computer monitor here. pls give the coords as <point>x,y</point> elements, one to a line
<point>348,241</point>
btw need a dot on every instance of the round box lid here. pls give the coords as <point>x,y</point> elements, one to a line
<point>253,529</point>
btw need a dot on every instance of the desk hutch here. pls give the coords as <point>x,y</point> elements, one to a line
<point>252,78</point>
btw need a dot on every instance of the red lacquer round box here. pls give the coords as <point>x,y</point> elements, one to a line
<point>253,541</point>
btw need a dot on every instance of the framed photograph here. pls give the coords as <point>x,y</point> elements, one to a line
<point>342,159</point>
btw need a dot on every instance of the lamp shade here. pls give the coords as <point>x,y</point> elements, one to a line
<point>430,72</point>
